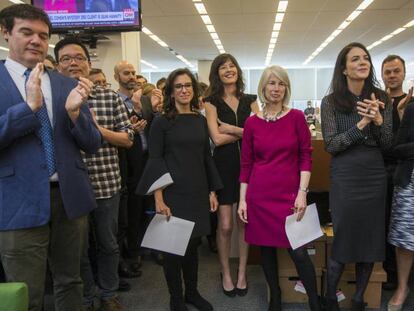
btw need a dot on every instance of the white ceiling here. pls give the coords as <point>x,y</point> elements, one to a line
<point>245,26</point>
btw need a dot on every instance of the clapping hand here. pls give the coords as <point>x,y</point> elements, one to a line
<point>34,96</point>
<point>138,125</point>
<point>403,102</point>
<point>79,95</point>
<point>370,110</point>
<point>156,100</point>
<point>136,99</point>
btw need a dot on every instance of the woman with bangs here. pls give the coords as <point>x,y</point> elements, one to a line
<point>181,173</point>
<point>274,177</point>
<point>356,127</point>
<point>227,108</point>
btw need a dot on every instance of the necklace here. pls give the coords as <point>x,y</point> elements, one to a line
<point>271,118</point>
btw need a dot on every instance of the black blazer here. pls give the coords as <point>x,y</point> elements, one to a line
<point>404,148</point>
<point>133,160</point>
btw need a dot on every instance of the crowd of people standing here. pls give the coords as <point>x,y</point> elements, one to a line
<point>83,168</point>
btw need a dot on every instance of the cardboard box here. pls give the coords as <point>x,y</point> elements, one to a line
<point>316,251</point>
<point>287,281</point>
<point>347,286</point>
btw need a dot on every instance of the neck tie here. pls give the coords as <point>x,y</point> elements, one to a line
<point>45,133</point>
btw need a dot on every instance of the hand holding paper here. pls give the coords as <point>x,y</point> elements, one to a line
<point>168,236</point>
<point>302,232</point>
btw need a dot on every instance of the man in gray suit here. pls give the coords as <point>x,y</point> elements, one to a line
<point>141,113</point>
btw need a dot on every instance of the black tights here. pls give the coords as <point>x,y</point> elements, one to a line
<point>304,267</point>
<point>363,272</point>
<point>188,264</point>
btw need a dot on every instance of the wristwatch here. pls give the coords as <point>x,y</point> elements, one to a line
<point>304,189</point>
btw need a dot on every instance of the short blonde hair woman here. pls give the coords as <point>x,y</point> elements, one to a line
<point>269,159</point>
<point>279,73</point>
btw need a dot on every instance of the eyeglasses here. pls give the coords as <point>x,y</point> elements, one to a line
<point>187,86</point>
<point>103,85</point>
<point>68,59</point>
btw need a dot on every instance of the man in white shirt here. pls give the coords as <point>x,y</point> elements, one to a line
<point>45,192</point>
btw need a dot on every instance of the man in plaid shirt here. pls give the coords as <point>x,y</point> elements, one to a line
<point>103,168</point>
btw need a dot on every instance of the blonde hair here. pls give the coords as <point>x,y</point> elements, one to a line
<point>279,73</point>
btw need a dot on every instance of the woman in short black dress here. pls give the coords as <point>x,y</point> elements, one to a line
<point>356,125</point>
<point>227,108</point>
<point>181,173</point>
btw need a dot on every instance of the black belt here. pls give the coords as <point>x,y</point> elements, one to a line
<point>54,184</point>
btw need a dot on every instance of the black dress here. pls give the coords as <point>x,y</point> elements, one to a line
<point>227,157</point>
<point>358,182</point>
<point>180,162</point>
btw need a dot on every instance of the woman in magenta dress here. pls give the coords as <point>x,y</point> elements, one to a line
<point>274,177</point>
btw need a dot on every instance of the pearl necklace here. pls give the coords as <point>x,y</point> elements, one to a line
<point>271,118</point>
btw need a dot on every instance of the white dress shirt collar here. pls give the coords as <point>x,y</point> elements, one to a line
<point>15,66</point>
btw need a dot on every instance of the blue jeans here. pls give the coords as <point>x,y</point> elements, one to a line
<point>105,225</point>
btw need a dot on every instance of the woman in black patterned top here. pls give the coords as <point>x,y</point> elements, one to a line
<point>227,108</point>
<point>356,125</point>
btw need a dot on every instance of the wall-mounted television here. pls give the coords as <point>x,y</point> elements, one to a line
<point>92,16</point>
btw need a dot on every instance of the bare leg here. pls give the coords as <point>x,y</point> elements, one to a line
<point>405,259</point>
<point>243,255</point>
<point>224,230</point>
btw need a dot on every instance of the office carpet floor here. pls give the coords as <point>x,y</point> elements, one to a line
<point>149,292</point>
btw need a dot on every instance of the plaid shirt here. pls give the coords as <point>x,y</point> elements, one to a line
<point>103,166</point>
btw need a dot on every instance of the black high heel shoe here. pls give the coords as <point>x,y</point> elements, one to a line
<point>242,291</point>
<point>228,293</point>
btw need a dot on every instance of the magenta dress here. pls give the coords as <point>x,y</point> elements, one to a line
<point>273,155</point>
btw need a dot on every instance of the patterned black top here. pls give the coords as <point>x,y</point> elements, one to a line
<point>340,131</point>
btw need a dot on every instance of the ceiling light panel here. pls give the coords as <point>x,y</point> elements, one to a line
<point>392,34</point>
<point>149,33</point>
<point>148,64</point>
<point>201,9</point>
<point>351,17</point>
<point>280,14</point>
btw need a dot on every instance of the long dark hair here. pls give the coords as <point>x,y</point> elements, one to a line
<point>342,99</point>
<point>170,110</point>
<point>216,88</point>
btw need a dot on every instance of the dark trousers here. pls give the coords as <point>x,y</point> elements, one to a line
<point>24,254</point>
<point>133,221</point>
<point>390,265</point>
<point>187,266</point>
<point>105,220</point>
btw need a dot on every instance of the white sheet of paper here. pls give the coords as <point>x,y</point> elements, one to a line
<point>302,232</point>
<point>168,236</point>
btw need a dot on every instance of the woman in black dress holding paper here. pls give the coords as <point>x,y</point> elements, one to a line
<point>356,125</point>
<point>182,175</point>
